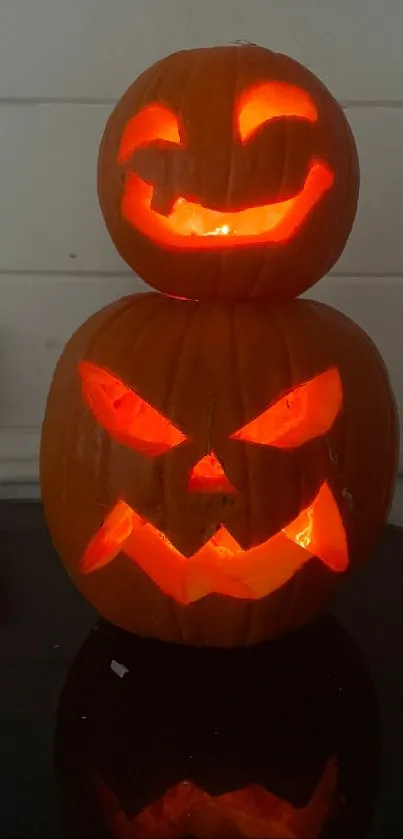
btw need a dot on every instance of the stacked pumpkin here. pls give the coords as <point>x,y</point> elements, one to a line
<point>217,456</point>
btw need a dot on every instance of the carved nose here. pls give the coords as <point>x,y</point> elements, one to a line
<point>208,476</point>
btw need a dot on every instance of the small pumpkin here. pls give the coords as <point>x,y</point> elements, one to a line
<point>210,471</point>
<point>280,740</point>
<point>228,172</point>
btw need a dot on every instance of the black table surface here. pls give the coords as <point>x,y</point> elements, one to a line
<point>44,622</point>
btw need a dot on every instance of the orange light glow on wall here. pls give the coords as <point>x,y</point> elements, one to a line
<point>251,812</point>
<point>124,414</point>
<point>305,412</point>
<point>272,100</point>
<point>221,565</point>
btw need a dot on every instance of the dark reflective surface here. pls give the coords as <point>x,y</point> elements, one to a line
<point>297,719</point>
<point>278,710</point>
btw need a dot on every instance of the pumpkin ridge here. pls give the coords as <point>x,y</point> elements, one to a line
<point>187,337</point>
<point>239,378</point>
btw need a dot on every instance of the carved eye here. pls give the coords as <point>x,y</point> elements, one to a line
<point>305,412</point>
<point>273,100</point>
<point>152,123</point>
<point>125,415</point>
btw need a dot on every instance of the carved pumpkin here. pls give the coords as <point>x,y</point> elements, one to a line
<point>209,471</point>
<point>228,172</point>
<point>159,740</point>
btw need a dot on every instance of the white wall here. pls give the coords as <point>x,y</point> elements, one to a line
<point>63,63</point>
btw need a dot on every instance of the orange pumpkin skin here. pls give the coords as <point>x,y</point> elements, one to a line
<point>196,165</point>
<point>164,547</point>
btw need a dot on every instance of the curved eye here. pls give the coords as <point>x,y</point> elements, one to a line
<point>305,412</point>
<point>272,100</point>
<point>124,414</point>
<point>152,123</point>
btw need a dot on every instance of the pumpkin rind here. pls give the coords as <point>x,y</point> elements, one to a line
<point>210,369</point>
<point>211,166</point>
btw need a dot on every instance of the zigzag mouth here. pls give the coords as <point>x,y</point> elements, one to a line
<point>221,565</point>
<point>254,811</point>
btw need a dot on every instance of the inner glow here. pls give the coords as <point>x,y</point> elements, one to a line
<point>208,476</point>
<point>221,565</point>
<point>186,809</point>
<point>191,225</point>
<point>305,412</point>
<point>271,100</point>
<point>154,122</point>
<point>124,414</point>
<point>197,227</point>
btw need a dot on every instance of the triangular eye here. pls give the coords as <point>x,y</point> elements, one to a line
<point>124,414</point>
<point>305,412</point>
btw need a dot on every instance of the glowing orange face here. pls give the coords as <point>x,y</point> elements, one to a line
<point>220,565</point>
<point>228,173</point>
<point>152,140</point>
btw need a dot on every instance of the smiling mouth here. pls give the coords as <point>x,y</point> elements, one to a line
<point>221,565</point>
<point>192,226</point>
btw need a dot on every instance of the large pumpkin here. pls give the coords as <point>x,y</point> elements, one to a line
<point>209,472</point>
<point>228,172</point>
<point>162,741</point>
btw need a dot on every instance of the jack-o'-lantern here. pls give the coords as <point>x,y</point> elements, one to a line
<point>228,173</point>
<point>158,740</point>
<point>210,471</point>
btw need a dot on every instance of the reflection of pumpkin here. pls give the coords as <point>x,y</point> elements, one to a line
<point>187,810</point>
<point>175,468</point>
<point>159,740</point>
<point>229,172</point>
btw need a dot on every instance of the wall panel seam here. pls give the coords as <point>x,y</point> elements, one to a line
<point>25,101</point>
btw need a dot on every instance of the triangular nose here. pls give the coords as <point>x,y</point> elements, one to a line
<point>208,476</point>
